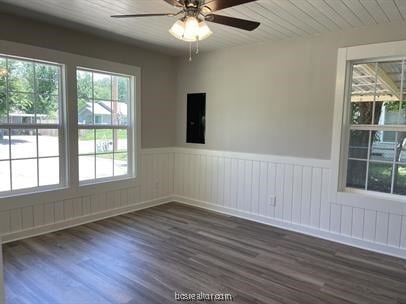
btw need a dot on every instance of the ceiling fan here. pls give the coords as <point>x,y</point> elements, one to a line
<point>191,26</point>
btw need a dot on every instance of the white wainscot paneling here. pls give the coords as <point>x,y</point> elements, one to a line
<point>292,193</point>
<point>154,186</point>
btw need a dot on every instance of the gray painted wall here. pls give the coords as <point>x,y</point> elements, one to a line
<point>274,97</point>
<point>158,83</point>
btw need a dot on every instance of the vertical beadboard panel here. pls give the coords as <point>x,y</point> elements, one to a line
<point>346,220</point>
<point>358,223</point>
<point>234,183</point>
<point>220,182</point>
<point>403,233</point>
<point>203,178</point>
<point>325,203</point>
<point>241,184</point>
<point>227,182</point>
<point>335,218</point>
<point>394,230</point>
<point>49,213</point>
<point>263,188</point>
<point>315,197</point>
<point>255,187</point>
<point>15,220</point>
<point>382,221</point>
<point>306,196</point>
<point>369,225</point>
<point>288,193</point>
<point>4,222</point>
<point>27,217</point>
<point>279,191</point>
<point>297,193</point>
<point>38,214</point>
<point>193,175</point>
<point>247,186</point>
<point>209,178</point>
<point>214,181</point>
<point>271,189</point>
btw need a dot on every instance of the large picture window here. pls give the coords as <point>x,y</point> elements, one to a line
<point>31,125</point>
<point>377,135</point>
<point>104,125</point>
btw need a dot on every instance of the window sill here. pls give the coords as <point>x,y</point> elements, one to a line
<point>372,201</point>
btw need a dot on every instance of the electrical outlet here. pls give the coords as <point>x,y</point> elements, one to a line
<point>272,200</point>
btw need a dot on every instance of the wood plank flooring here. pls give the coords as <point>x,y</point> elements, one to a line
<point>147,256</point>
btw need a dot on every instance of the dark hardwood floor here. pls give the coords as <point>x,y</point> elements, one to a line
<point>147,256</point>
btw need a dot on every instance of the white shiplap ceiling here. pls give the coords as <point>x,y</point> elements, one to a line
<point>280,19</point>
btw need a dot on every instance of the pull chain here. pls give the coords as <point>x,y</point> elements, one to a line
<point>190,51</point>
<point>197,45</point>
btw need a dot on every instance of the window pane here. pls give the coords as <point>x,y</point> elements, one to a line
<point>47,109</point>
<point>359,144</point>
<point>84,85</point>
<point>21,76</point>
<point>104,165</point>
<point>401,147</point>
<point>383,145</point>
<point>120,164</point>
<point>121,87</point>
<point>5,176</point>
<point>86,167</point>
<point>85,112</point>
<point>47,79</point>
<point>22,108</point>
<point>361,113</point>
<point>387,108</point>
<point>86,142</point>
<point>23,143</point>
<point>120,140</point>
<point>3,90</point>
<point>400,180</point>
<point>102,86</point>
<point>102,112</point>
<point>4,144</point>
<point>24,173</point>
<point>104,140</point>
<point>49,171</point>
<point>356,174</point>
<point>48,142</point>
<point>380,177</point>
<point>119,113</point>
<point>3,107</point>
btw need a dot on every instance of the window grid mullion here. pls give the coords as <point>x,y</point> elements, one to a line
<point>394,163</point>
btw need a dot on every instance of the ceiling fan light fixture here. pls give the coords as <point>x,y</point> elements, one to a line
<point>178,29</point>
<point>204,31</point>
<point>190,30</point>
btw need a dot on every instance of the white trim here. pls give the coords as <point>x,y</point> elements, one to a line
<point>307,230</point>
<point>39,230</point>
<point>319,163</point>
<point>338,193</point>
<point>71,62</point>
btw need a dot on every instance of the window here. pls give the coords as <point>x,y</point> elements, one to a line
<point>31,125</point>
<point>377,127</point>
<point>104,125</point>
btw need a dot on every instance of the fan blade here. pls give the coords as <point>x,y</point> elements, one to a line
<point>142,15</point>
<point>234,22</point>
<point>216,5</point>
<point>178,3</point>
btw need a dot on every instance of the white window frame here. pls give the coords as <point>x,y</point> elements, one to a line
<point>71,62</point>
<point>61,127</point>
<point>339,193</point>
<point>130,130</point>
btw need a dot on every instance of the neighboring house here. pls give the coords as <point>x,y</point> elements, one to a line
<point>103,112</point>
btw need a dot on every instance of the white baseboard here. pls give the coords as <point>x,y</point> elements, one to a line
<point>22,234</point>
<point>323,234</point>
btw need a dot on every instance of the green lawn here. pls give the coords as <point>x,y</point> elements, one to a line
<point>101,134</point>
